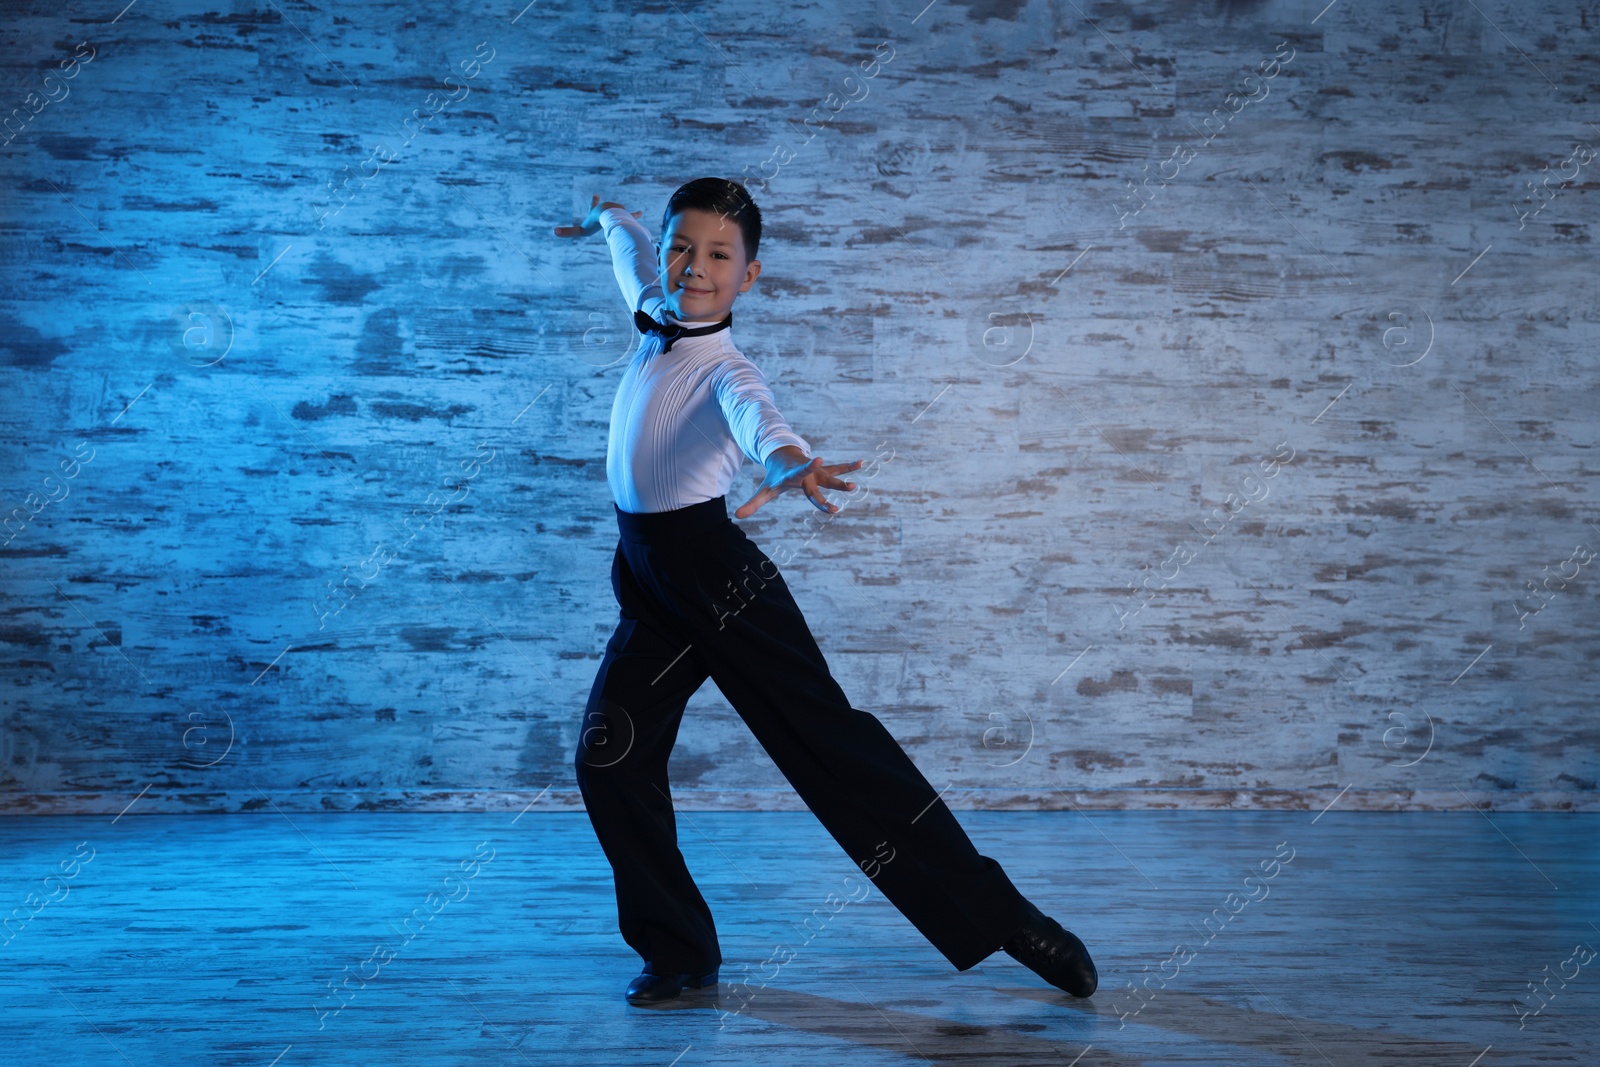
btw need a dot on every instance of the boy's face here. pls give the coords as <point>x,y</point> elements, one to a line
<point>703,265</point>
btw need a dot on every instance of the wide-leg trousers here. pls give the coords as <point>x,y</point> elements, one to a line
<point>699,599</point>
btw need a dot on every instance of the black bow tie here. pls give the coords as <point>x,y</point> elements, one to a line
<point>670,332</point>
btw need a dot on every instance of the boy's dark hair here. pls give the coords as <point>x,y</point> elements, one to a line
<point>720,196</point>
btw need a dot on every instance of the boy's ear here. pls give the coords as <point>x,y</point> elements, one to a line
<point>751,273</point>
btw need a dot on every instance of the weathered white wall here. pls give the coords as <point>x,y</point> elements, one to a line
<point>1062,390</point>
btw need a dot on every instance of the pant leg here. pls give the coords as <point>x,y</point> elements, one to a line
<point>844,763</point>
<point>630,725</point>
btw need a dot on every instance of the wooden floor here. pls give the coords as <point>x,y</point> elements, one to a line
<point>212,940</point>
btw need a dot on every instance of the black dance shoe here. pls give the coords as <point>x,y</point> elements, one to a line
<point>654,988</point>
<point>1054,954</point>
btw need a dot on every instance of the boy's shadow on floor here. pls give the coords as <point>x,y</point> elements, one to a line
<point>1206,1019</point>
<point>911,1034</point>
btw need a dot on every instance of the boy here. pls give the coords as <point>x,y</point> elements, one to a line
<point>689,408</point>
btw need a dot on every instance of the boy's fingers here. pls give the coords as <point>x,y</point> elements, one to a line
<point>814,494</point>
<point>749,507</point>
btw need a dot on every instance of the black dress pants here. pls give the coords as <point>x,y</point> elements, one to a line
<point>698,599</point>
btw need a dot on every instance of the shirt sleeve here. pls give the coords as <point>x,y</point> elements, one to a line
<point>751,412</point>
<point>633,261</point>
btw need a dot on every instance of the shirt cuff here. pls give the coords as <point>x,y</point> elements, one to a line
<point>782,439</point>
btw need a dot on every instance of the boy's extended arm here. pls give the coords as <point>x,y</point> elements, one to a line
<point>766,436</point>
<point>751,412</point>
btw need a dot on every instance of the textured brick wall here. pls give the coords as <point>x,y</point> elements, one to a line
<point>1230,374</point>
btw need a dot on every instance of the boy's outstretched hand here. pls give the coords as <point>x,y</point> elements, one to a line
<point>790,468</point>
<point>590,223</point>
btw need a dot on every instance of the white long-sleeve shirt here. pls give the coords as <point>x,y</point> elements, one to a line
<point>682,421</point>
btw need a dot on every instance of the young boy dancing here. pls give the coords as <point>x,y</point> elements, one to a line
<point>689,408</point>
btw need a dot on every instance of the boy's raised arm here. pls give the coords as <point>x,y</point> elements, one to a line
<point>590,223</point>
<point>633,255</point>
